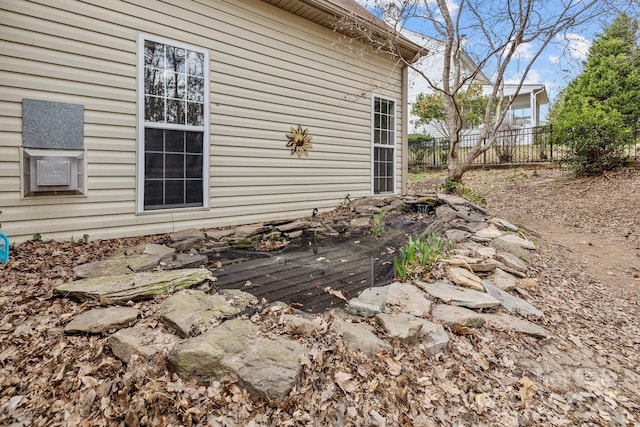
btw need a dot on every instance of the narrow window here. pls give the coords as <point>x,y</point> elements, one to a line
<point>384,145</point>
<point>173,109</point>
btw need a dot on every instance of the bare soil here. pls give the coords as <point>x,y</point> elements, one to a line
<point>583,277</point>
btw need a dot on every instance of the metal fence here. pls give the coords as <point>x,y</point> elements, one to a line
<point>512,146</point>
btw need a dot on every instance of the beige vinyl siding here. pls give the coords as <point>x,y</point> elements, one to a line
<point>269,70</point>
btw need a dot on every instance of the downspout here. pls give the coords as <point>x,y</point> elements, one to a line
<point>535,111</point>
<point>405,129</point>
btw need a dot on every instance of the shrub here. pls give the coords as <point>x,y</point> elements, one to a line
<point>595,140</point>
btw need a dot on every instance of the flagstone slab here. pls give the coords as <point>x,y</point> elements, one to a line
<point>267,366</point>
<point>141,340</point>
<point>101,320</point>
<point>463,277</point>
<point>453,316</point>
<point>512,303</point>
<point>505,321</point>
<point>456,295</point>
<point>502,280</point>
<point>131,287</point>
<point>191,312</point>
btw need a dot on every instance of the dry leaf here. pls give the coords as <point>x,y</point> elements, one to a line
<point>528,390</point>
<point>337,294</point>
<point>343,379</point>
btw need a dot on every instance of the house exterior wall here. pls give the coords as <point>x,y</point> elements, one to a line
<point>269,70</point>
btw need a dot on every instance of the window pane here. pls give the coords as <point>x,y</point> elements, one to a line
<point>195,64</point>
<point>194,142</point>
<point>194,192</point>
<point>175,58</point>
<point>176,85</point>
<point>153,193</point>
<point>194,166</point>
<point>195,89</point>
<point>174,165</point>
<point>153,54</point>
<point>153,139</point>
<point>153,82</point>
<point>175,111</point>
<point>174,141</point>
<point>195,114</point>
<point>153,109</point>
<point>174,192</point>
<point>154,165</point>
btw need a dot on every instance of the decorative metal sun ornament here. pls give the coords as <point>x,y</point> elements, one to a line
<point>299,141</point>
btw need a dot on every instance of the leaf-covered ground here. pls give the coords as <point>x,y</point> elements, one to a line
<point>587,374</point>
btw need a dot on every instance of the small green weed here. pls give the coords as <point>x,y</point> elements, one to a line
<point>416,260</point>
<point>516,175</point>
<point>85,238</point>
<point>378,223</point>
<point>37,237</point>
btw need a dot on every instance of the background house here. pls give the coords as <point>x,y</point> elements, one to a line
<point>524,112</point>
<point>127,118</point>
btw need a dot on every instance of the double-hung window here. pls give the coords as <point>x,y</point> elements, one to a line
<point>384,144</point>
<point>173,125</point>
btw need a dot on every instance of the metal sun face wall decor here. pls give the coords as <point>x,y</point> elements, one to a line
<point>299,141</point>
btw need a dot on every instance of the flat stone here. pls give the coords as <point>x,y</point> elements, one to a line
<point>451,199</point>
<point>188,233</point>
<point>299,224</point>
<point>191,312</point>
<point>219,233</point>
<point>298,325</point>
<point>463,277</point>
<point>514,245</point>
<point>502,280</point>
<point>490,232</point>
<point>486,252</point>
<point>475,264</point>
<point>186,240</point>
<point>247,231</point>
<point>507,269</point>
<point>503,224</point>
<point>434,339</point>
<point>469,213</point>
<point>134,286</point>
<point>455,295</point>
<point>360,336</point>
<point>187,245</point>
<point>512,261</point>
<point>294,234</point>
<point>456,235</point>
<point>267,366</point>
<point>162,251</point>
<point>101,320</point>
<point>511,323</point>
<point>117,265</point>
<point>453,316</point>
<point>396,297</point>
<point>475,226</point>
<point>367,205</point>
<point>512,303</point>
<point>184,260</point>
<point>360,222</point>
<point>141,340</point>
<point>402,326</point>
<point>446,213</point>
<point>239,299</point>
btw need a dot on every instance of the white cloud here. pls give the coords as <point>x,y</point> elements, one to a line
<point>554,59</point>
<point>576,46</point>
<point>533,77</point>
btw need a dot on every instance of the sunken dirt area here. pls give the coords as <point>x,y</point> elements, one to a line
<point>584,278</point>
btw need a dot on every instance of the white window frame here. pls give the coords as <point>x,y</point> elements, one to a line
<point>392,147</point>
<point>140,167</point>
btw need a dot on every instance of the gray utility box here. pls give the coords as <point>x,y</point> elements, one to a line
<point>53,170</point>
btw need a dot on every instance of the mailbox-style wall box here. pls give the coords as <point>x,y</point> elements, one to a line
<point>53,157</point>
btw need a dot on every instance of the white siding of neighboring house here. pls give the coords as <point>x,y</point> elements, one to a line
<point>269,70</point>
